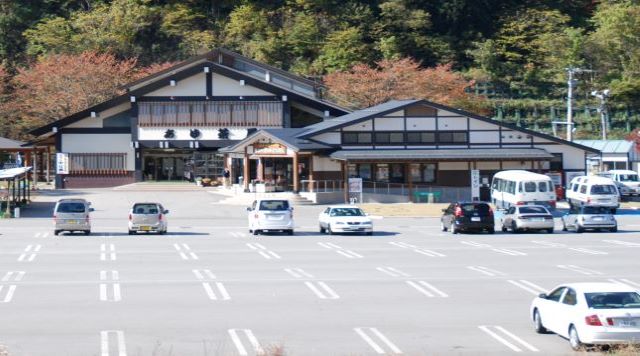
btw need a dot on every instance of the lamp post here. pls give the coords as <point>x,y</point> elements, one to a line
<point>571,84</point>
<point>603,95</point>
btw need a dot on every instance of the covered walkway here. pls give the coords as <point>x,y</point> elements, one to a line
<point>15,189</point>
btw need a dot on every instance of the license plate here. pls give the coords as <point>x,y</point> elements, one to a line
<point>274,217</point>
<point>145,228</point>
<point>627,323</point>
<point>598,218</point>
<point>72,222</point>
<point>475,219</point>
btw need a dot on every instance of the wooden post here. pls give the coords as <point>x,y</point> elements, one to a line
<point>296,175</point>
<point>345,177</point>
<point>407,173</point>
<point>48,164</point>
<point>245,172</point>
<point>310,188</point>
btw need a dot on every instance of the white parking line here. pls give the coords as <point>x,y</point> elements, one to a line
<point>255,345</point>
<point>121,349</point>
<point>417,249</point>
<point>487,271</point>
<point>581,270</point>
<point>495,330</point>
<point>221,290</point>
<point>322,290</point>
<point>340,250</point>
<point>508,252</point>
<point>204,274</point>
<point>623,243</point>
<point>29,253</point>
<point>238,234</point>
<point>427,289</point>
<point>393,272</point>
<point>474,244</point>
<point>111,279</point>
<point>527,286</point>
<point>625,282</point>
<point>588,251</point>
<point>263,251</point>
<point>107,253</point>
<point>298,273</point>
<point>375,333</point>
<point>550,244</point>
<point>185,252</point>
<point>11,276</point>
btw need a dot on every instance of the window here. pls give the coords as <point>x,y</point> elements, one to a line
<point>583,189</point>
<point>97,163</point>
<point>613,300</point>
<point>570,298</point>
<point>389,138</point>
<point>421,137</point>
<point>422,173</point>
<point>495,184</point>
<point>511,187</point>
<point>511,210</point>
<point>356,138</point>
<point>533,210</point>
<point>556,294</point>
<point>452,137</point>
<point>71,208</point>
<point>347,212</point>
<point>575,187</point>
<point>603,190</point>
<point>628,177</point>
<point>382,172</point>
<point>530,187</point>
<point>145,209</point>
<point>364,170</point>
<point>274,205</point>
<point>542,187</point>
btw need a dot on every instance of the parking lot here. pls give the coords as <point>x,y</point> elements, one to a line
<point>209,287</point>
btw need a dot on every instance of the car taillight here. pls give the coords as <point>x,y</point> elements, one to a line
<point>458,212</point>
<point>552,203</point>
<point>490,212</point>
<point>130,217</point>
<point>257,216</point>
<point>610,321</point>
<point>160,217</point>
<point>86,217</point>
<point>520,203</point>
<point>592,320</point>
<point>588,200</point>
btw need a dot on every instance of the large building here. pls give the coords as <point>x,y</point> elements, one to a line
<point>222,110</point>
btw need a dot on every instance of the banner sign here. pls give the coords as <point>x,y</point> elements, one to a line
<point>475,184</point>
<point>62,163</point>
<point>355,185</point>
<point>269,149</point>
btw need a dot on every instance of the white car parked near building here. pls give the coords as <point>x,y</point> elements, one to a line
<point>270,215</point>
<point>344,218</point>
<point>589,313</point>
<point>627,181</point>
<point>593,191</point>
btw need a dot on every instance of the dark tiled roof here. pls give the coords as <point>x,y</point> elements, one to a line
<point>445,154</point>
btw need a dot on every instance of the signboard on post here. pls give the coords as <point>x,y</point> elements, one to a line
<point>475,185</point>
<point>62,163</point>
<point>355,186</point>
<point>260,148</point>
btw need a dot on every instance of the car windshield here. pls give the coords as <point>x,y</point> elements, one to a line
<point>596,210</point>
<point>274,205</point>
<point>480,208</point>
<point>71,208</point>
<point>145,209</point>
<point>347,212</point>
<point>628,177</point>
<point>613,300</point>
<point>603,190</point>
<point>533,210</point>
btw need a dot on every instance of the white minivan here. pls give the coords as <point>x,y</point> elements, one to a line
<point>627,181</point>
<point>593,191</point>
<point>518,187</point>
<point>270,215</point>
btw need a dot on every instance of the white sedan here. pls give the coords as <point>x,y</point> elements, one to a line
<point>344,218</point>
<point>589,313</point>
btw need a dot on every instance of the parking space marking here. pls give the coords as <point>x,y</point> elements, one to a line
<point>625,282</point>
<point>238,234</point>
<point>528,286</point>
<point>10,289</point>
<point>588,251</point>
<point>185,252</point>
<point>504,251</point>
<point>107,252</point>
<point>322,290</point>
<point>487,271</point>
<point>298,273</point>
<point>105,347</point>
<point>253,341</point>
<point>501,335</point>
<point>375,333</point>
<point>418,249</point>
<point>427,289</point>
<point>549,244</point>
<point>340,250</point>
<point>263,251</point>
<point>393,272</point>
<point>581,270</point>
<point>207,277</point>
<point>29,253</point>
<point>475,244</point>
<point>41,235</point>
<point>623,243</point>
<point>110,289</point>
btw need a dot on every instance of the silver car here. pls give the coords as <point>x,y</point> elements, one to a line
<point>582,218</point>
<point>527,217</point>
<point>148,217</point>
<point>72,215</point>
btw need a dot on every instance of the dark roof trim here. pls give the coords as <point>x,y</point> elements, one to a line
<point>402,105</point>
<point>444,154</point>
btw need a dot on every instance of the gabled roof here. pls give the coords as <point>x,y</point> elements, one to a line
<point>219,61</point>
<point>9,144</point>
<point>286,136</point>
<point>395,105</point>
<point>608,146</point>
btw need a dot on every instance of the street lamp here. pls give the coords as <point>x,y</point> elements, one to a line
<point>572,83</point>
<point>603,95</point>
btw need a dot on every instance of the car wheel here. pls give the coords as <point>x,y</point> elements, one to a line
<point>504,228</point>
<point>290,232</point>
<point>564,226</point>
<point>131,232</point>
<point>442,227</point>
<point>574,339</point>
<point>579,229</point>
<point>454,229</point>
<point>322,229</point>
<point>329,231</point>
<point>492,230</point>
<point>537,322</point>
<point>256,232</point>
<point>57,232</point>
<point>550,231</point>
<point>370,233</point>
<point>514,227</point>
<point>87,232</point>
<point>614,229</point>
<point>162,232</point>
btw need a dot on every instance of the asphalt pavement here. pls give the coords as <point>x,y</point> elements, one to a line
<point>209,287</point>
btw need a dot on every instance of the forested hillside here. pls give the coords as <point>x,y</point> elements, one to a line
<point>511,53</point>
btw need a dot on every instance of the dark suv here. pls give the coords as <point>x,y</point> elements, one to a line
<point>468,216</point>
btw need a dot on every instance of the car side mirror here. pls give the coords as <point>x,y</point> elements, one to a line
<point>249,209</point>
<point>291,208</point>
<point>444,210</point>
<point>166,212</point>
<point>92,209</point>
<point>542,295</point>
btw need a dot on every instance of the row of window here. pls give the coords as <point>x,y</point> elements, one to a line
<point>394,172</point>
<point>97,163</point>
<point>402,138</point>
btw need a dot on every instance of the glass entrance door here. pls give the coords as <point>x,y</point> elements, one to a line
<point>164,167</point>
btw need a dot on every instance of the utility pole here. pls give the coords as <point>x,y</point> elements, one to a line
<point>571,84</point>
<point>602,109</point>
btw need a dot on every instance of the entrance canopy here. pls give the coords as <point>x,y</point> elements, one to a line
<point>490,154</point>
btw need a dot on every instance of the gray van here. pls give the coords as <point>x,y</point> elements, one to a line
<point>72,215</point>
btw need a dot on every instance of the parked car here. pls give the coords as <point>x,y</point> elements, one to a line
<point>589,314</point>
<point>270,215</point>
<point>344,218</point>
<point>627,181</point>
<point>517,187</point>
<point>468,216</point>
<point>593,191</point>
<point>148,217</point>
<point>582,218</point>
<point>72,215</point>
<point>527,217</point>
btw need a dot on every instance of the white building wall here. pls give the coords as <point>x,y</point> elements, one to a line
<point>224,86</point>
<point>325,164</point>
<point>195,85</point>
<point>96,122</point>
<point>484,137</point>
<point>481,125</point>
<point>452,123</point>
<point>361,126</point>
<point>182,133</point>
<point>331,138</point>
<point>100,143</point>
<point>421,124</point>
<point>389,124</point>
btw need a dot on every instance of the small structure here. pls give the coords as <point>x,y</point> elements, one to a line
<point>16,190</point>
<point>616,154</point>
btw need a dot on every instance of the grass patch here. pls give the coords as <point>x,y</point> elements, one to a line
<point>404,209</point>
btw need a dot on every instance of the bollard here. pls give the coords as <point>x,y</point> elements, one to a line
<point>16,212</point>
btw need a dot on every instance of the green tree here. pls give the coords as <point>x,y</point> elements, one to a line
<point>341,51</point>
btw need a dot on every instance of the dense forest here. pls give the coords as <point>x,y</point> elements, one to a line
<point>510,56</point>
